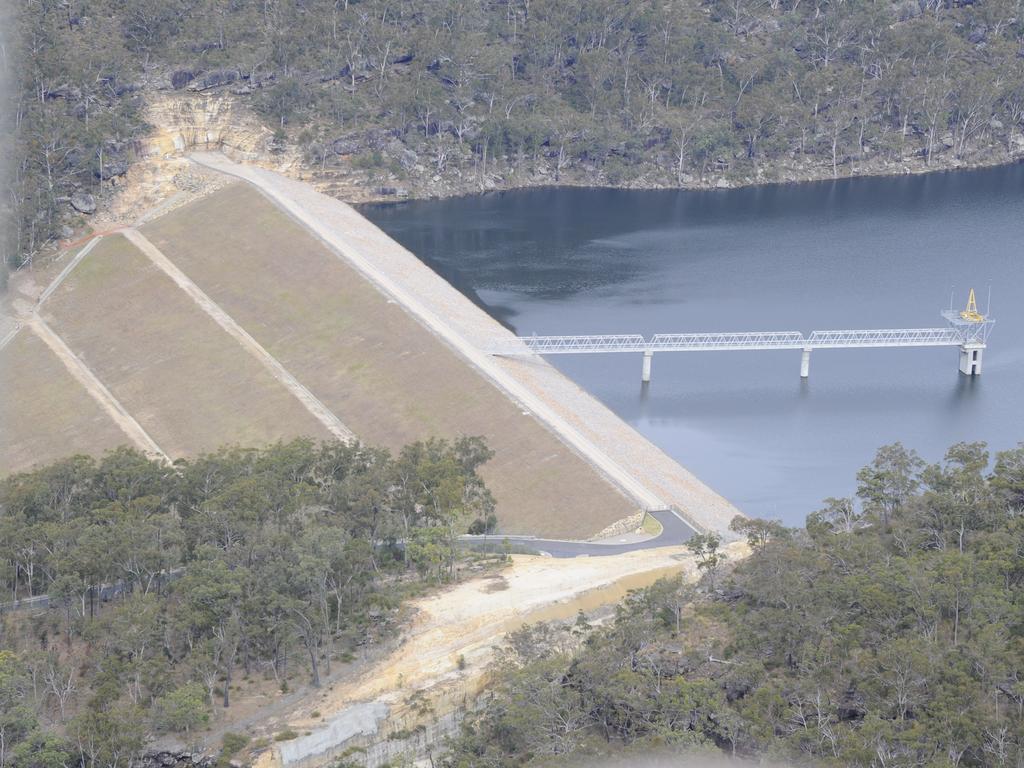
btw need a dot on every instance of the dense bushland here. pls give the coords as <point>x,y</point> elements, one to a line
<point>886,633</point>
<point>168,585</point>
<point>485,92</point>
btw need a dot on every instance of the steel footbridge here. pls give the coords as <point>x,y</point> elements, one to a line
<point>967,329</point>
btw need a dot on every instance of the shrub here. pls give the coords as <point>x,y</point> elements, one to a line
<point>233,743</point>
<point>182,710</point>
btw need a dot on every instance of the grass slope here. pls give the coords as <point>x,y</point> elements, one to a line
<point>45,414</point>
<point>387,378</point>
<point>184,380</point>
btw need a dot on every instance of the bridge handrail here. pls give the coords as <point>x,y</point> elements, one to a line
<point>886,337</point>
<point>742,339</point>
<point>632,342</point>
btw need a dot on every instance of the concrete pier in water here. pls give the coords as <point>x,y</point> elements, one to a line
<point>970,359</point>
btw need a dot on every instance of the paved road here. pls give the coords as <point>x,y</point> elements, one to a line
<point>675,531</point>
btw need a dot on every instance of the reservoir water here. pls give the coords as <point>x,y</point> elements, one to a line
<point>856,253</point>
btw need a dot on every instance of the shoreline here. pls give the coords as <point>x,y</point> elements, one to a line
<point>390,201</point>
<point>790,176</point>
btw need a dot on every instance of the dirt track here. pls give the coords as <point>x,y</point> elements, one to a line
<point>309,401</point>
<point>95,387</point>
<point>468,622</point>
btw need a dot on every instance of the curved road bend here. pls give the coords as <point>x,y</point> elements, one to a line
<point>674,532</point>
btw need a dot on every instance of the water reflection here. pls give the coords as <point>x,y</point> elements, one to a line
<point>862,253</point>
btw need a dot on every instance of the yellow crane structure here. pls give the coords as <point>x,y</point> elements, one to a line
<point>971,313</point>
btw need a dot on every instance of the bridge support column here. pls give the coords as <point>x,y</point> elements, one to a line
<point>805,363</point>
<point>645,373</point>
<point>970,359</point>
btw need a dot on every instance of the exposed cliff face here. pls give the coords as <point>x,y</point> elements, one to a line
<point>163,178</point>
<point>211,121</point>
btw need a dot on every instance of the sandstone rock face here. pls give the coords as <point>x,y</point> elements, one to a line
<point>168,759</point>
<point>188,121</point>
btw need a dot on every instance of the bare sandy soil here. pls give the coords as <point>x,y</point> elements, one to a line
<point>185,381</point>
<point>387,378</point>
<point>469,622</point>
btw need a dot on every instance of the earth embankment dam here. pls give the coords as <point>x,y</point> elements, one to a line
<point>265,310</point>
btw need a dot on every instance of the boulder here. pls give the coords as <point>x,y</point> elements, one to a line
<point>736,688</point>
<point>852,706</point>
<point>206,45</point>
<point>376,138</point>
<point>730,594</point>
<point>69,92</point>
<point>181,78</point>
<point>214,79</point>
<point>346,146</point>
<point>83,202</point>
<point>111,169</point>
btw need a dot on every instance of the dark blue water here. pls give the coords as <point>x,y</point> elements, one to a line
<point>860,253</point>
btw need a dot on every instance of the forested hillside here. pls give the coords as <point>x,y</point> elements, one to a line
<point>436,96</point>
<point>244,569</point>
<point>889,632</point>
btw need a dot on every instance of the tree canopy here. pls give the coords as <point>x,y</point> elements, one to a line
<point>884,634</point>
<point>166,583</point>
<point>484,92</point>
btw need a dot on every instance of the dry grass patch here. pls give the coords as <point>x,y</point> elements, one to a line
<point>387,377</point>
<point>186,382</point>
<point>45,414</point>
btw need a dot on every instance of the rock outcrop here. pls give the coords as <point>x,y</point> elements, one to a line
<point>174,759</point>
